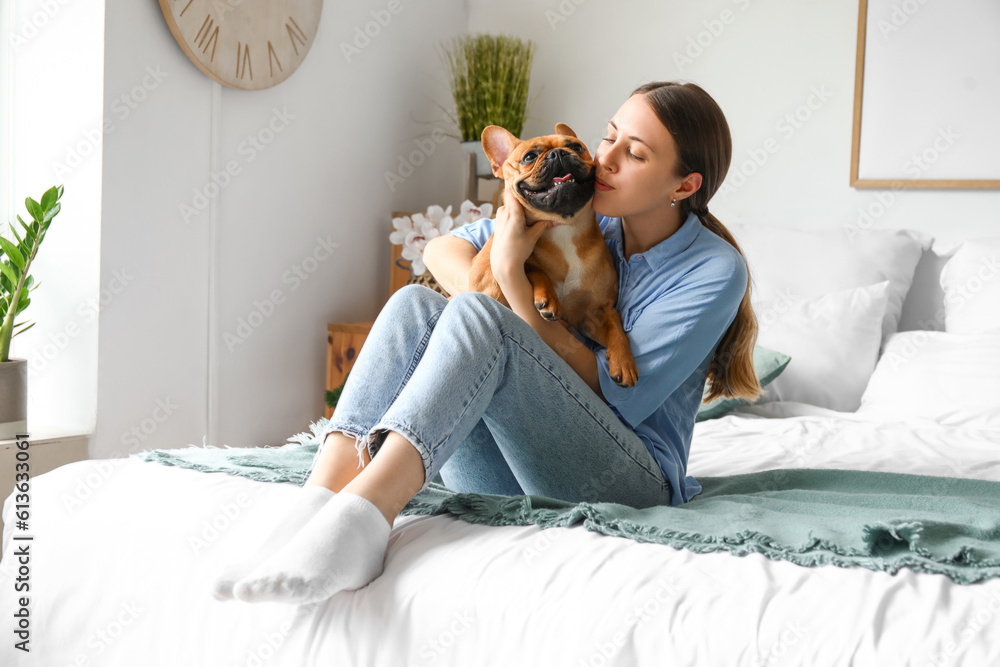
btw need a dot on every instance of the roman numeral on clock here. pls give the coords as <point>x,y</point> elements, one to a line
<point>295,33</point>
<point>241,72</point>
<point>206,39</point>
<point>272,54</point>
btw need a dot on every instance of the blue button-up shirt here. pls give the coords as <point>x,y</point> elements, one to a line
<point>676,301</point>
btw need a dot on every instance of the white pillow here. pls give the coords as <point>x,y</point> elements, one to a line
<point>833,341</point>
<point>807,263</point>
<point>971,284</point>
<point>952,379</point>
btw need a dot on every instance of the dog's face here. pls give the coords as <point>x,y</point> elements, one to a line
<point>550,175</point>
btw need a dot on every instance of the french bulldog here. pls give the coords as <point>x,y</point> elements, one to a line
<point>571,270</point>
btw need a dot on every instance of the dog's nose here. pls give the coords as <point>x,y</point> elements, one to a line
<point>562,158</point>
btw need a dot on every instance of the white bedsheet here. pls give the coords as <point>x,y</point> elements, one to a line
<point>117,578</point>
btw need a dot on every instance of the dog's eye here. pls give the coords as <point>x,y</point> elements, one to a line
<point>575,147</point>
<point>529,157</point>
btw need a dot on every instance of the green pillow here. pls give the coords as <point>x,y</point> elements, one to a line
<point>767,364</point>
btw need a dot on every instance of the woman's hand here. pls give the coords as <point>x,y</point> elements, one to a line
<point>513,241</point>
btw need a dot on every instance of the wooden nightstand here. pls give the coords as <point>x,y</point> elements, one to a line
<point>343,342</point>
<point>47,450</point>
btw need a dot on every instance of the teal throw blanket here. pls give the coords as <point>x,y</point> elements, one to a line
<point>848,518</point>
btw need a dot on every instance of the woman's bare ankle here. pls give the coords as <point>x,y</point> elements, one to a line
<point>394,479</point>
<point>337,465</point>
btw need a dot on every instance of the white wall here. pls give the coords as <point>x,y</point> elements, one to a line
<point>323,176</point>
<point>170,371</point>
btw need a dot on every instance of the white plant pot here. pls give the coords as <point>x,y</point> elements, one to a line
<point>13,398</point>
<point>483,167</point>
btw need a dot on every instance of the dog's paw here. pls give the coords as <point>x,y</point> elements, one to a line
<point>622,371</point>
<point>549,310</point>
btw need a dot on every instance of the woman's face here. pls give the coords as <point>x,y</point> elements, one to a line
<point>636,159</point>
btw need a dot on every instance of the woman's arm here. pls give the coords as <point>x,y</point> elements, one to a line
<point>513,243</point>
<point>449,260</point>
<point>518,291</point>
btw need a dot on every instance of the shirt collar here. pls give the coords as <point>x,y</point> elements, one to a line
<point>669,247</point>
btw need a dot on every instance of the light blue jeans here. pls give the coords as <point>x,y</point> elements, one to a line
<point>489,405</point>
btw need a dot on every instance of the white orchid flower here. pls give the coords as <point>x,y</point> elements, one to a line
<point>469,212</point>
<point>400,226</point>
<point>435,213</point>
<point>414,232</point>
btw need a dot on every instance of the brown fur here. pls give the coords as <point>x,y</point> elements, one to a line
<point>589,305</point>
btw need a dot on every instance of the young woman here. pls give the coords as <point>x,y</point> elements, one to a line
<point>499,400</point>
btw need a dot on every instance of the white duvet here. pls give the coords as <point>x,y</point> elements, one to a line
<point>124,551</point>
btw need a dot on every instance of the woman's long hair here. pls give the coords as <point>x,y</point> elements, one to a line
<point>704,145</point>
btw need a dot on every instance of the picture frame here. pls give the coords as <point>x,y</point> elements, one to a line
<point>926,95</point>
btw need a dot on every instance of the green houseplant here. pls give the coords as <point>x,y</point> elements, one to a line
<point>489,76</point>
<point>15,283</point>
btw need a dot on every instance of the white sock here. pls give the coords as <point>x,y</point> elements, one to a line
<point>341,548</point>
<point>306,504</point>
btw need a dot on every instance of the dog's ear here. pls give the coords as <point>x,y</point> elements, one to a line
<point>563,128</point>
<point>497,144</point>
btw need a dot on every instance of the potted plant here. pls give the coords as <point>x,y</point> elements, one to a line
<point>15,283</point>
<point>489,81</point>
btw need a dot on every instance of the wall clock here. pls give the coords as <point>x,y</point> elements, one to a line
<point>249,44</point>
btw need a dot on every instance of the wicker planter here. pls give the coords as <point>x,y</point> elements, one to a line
<point>425,278</point>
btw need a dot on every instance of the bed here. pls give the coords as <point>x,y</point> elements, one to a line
<point>123,549</point>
